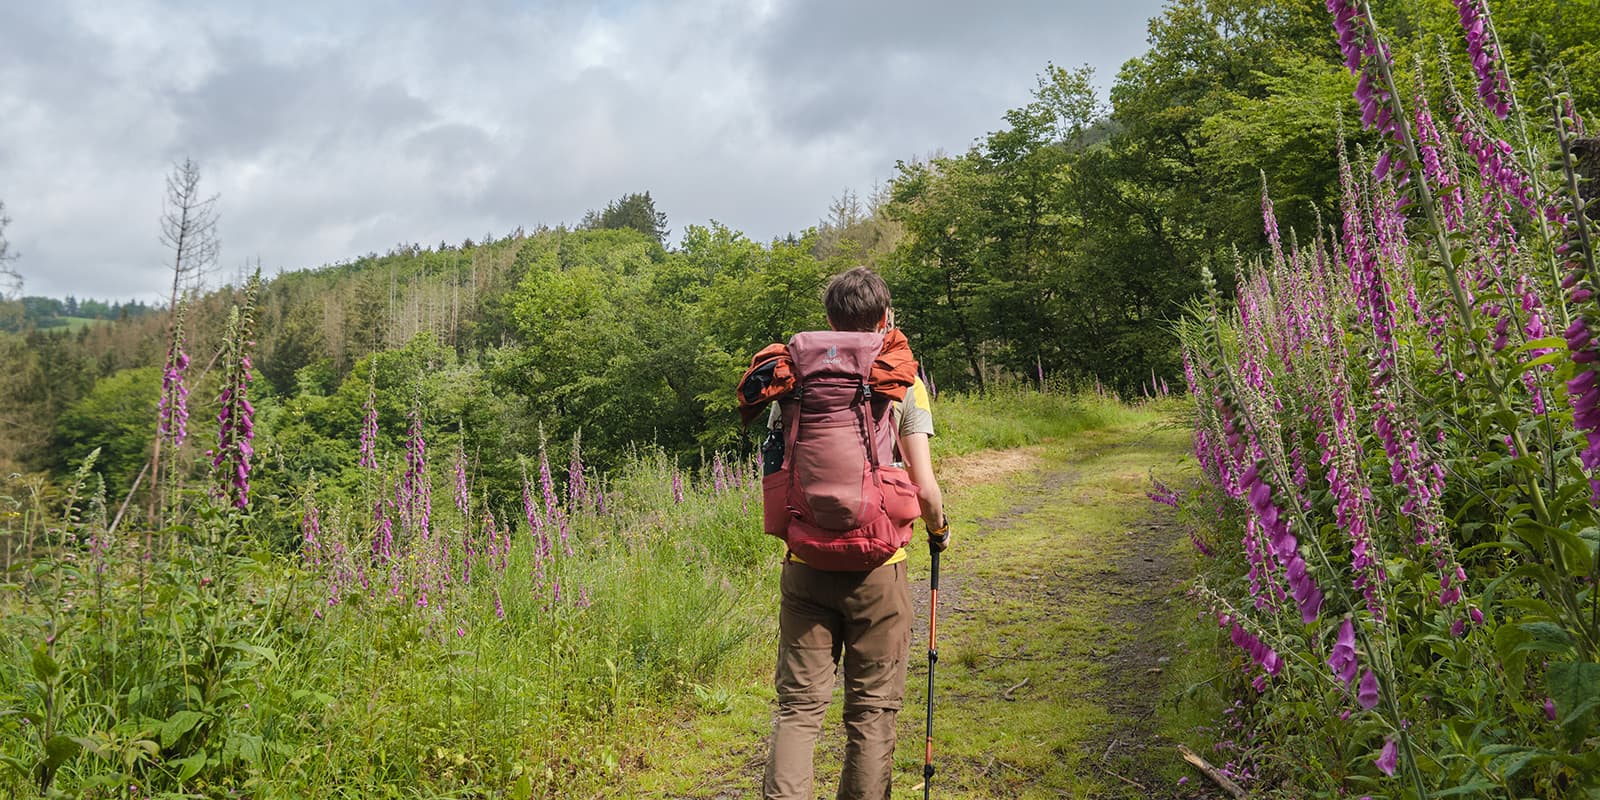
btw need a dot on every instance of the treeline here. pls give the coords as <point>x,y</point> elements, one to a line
<point>49,312</point>
<point>1066,242</point>
<point>1061,247</point>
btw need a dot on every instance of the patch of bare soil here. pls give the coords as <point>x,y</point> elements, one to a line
<point>986,466</point>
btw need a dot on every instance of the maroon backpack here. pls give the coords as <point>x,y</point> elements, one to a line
<point>837,500</point>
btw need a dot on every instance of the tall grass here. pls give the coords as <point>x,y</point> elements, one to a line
<point>216,668</point>
<point>1015,416</point>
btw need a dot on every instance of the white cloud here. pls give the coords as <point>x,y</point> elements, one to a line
<point>335,129</point>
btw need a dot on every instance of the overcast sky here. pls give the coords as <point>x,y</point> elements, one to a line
<point>332,129</point>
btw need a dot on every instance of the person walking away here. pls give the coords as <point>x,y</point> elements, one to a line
<point>846,471</point>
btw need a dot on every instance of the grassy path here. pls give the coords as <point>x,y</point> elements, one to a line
<point>1061,613</point>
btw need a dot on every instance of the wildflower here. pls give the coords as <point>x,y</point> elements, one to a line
<point>1583,393</point>
<point>1163,495</point>
<point>1438,165</point>
<point>236,423</point>
<point>529,510</point>
<point>552,504</point>
<point>311,531</point>
<point>719,474</point>
<point>369,430</point>
<point>577,484</point>
<point>1367,692</point>
<point>1493,87</point>
<point>383,535</point>
<point>1343,659</point>
<point>677,487</point>
<point>415,490</point>
<point>499,609</point>
<point>1550,709</point>
<point>1389,758</point>
<point>173,408</point>
<point>463,497</point>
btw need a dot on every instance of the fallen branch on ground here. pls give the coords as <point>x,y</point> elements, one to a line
<point>1211,772</point>
<point>1007,693</point>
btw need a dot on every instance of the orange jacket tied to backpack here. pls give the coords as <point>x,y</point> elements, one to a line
<point>837,500</point>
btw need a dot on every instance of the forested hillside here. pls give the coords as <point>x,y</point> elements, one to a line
<point>1063,245</point>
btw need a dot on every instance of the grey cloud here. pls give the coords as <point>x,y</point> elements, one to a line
<point>250,104</point>
<point>334,129</point>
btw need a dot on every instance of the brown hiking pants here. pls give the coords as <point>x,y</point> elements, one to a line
<point>866,618</point>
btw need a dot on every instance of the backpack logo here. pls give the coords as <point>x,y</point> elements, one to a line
<point>833,355</point>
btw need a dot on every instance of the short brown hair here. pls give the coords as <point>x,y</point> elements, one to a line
<point>856,300</point>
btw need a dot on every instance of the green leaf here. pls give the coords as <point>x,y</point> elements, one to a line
<point>522,789</point>
<point>179,724</point>
<point>191,766</point>
<point>16,765</point>
<point>1541,344</point>
<point>1547,358</point>
<point>1475,787</point>
<point>256,650</point>
<point>58,749</point>
<point>1545,637</point>
<point>45,668</point>
<point>1575,687</point>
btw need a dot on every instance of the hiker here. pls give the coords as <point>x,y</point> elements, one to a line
<point>846,471</point>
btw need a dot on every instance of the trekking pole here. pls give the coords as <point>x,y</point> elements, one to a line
<point>933,659</point>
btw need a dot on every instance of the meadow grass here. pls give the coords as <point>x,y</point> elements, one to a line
<point>636,665</point>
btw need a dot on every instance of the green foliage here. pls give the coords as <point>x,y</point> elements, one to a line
<point>117,418</point>
<point>632,211</point>
<point>1447,521</point>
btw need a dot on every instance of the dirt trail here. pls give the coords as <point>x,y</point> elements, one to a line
<point>1060,607</point>
<point>1121,566</point>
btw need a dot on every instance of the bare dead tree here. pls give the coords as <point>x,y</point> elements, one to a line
<point>188,228</point>
<point>10,279</point>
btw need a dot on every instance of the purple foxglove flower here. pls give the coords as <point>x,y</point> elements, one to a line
<point>369,431</point>
<point>1550,709</point>
<point>547,486</point>
<point>1367,692</point>
<point>230,460</point>
<point>173,408</point>
<point>578,495</point>
<point>463,497</point>
<point>1493,86</point>
<point>677,487</point>
<point>1388,758</point>
<point>1343,659</point>
<point>416,489</point>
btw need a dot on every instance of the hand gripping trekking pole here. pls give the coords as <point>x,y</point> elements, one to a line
<point>933,659</point>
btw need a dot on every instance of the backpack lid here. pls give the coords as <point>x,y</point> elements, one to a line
<point>848,354</point>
